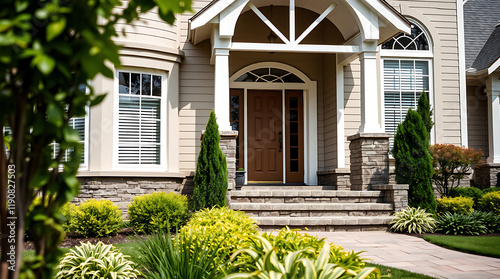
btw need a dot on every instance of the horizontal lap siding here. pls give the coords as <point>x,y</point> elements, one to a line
<point>330,113</point>
<point>196,91</point>
<point>352,103</point>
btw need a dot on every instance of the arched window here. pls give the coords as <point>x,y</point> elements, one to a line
<point>269,75</point>
<point>407,73</point>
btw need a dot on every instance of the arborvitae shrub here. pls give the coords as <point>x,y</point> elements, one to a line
<point>424,109</point>
<point>158,211</point>
<point>97,218</point>
<point>211,178</point>
<point>413,161</point>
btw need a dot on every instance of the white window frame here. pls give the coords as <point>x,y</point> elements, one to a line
<point>410,55</point>
<point>163,122</point>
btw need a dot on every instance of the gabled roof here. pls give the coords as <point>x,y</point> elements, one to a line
<point>480,19</point>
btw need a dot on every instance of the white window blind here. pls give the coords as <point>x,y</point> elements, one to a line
<point>80,125</point>
<point>404,81</point>
<point>139,118</point>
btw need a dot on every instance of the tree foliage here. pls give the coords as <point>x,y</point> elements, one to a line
<point>413,161</point>
<point>211,178</point>
<point>49,50</point>
<point>424,109</point>
<point>451,163</point>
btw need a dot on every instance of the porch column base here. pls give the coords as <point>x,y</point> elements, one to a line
<point>487,175</point>
<point>335,177</point>
<point>228,146</point>
<point>369,160</point>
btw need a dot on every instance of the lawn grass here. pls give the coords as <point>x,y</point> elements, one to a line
<point>479,245</point>
<point>398,273</point>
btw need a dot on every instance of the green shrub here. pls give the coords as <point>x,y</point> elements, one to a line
<point>230,229</point>
<point>490,202</point>
<point>491,189</point>
<point>211,177</point>
<point>67,210</point>
<point>157,211</point>
<point>469,192</point>
<point>453,223</point>
<point>96,261</point>
<point>413,161</point>
<point>97,218</point>
<point>182,256</point>
<point>489,219</point>
<point>459,205</point>
<point>295,264</point>
<point>413,220</point>
<point>287,241</point>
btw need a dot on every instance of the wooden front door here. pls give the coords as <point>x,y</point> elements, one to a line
<point>265,136</point>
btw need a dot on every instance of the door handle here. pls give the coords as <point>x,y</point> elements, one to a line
<point>280,133</point>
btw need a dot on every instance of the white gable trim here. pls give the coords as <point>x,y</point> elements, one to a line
<point>494,66</point>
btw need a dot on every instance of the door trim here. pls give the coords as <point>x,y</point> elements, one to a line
<point>310,131</point>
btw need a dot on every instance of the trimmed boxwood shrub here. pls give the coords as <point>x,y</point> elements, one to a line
<point>158,211</point>
<point>67,210</point>
<point>491,189</point>
<point>97,219</point>
<point>459,205</point>
<point>490,202</point>
<point>469,192</point>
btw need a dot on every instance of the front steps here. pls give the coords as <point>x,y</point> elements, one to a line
<point>313,207</point>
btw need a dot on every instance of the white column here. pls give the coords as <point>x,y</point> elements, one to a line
<point>494,125</point>
<point>369,94</point>
<point>221,94</point>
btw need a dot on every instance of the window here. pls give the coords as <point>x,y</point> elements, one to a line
<point>140,139</point>
<point>269,75</point>
<point>406,74</point>
<point>80,124</point>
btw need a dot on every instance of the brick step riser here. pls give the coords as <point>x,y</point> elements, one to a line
<point>326,213</point>
<point>307,200</point>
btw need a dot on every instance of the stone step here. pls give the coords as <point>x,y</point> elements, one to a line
<point>285,187</point>
<point>330,223</point>
<point>306,196</point>
<point>310,206</point>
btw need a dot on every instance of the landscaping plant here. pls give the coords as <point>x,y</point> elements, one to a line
<point>413,161</point>
<point>49,50</point>
<point>96,261</point>
<point>97,218</point>
<point>183,256</point>
<point>157,211</point>
<point>425,111</point>
<point>295,264</point>
<point>459,205</point>
<point>451,163</point>
<point>469,192</point>
<point>413,220</point>
<point>489,219</point>
<point>67,211</point>
<point>453,223</point>
<point>229,229</point>
<point>491,189</point>
<point>211,178</point>
<point>490,202</point>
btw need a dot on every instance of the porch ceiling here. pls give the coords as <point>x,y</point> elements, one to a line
<point>343,16</point>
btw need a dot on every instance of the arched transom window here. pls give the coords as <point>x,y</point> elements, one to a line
<point>269,75</point>
<point>407,74</point>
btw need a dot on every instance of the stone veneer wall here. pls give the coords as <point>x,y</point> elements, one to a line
<point>121,191</point>
<point>336,177</point>
<point>487,175</point>
<point>397,194</point>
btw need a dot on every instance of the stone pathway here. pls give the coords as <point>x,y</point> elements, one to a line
<point>415,254</point>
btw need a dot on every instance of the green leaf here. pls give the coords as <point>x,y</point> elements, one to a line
<point>44,63</point>
<point>71,135</point>
<point>97,100</point>
<point>21,5</point>
<point>39,180</point>
<point>55,28</point>
<point>5,24</point>
<point>55,114</point>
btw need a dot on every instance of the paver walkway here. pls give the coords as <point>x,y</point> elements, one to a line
<point>415,254</point>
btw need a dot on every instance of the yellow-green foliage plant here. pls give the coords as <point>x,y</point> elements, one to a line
<point>230,229</point>
<point>157,211</point>
<point>295,264</point>
<point>413,220</point>
<point>459,205</point>
<point>288,240</point>
<point>67,211</point>
<point>97,219</point>
<point>96,261</point>
<point>490,202</point>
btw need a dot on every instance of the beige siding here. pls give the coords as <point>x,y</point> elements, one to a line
<point>439,17</point>
<point>330,113</point>
<point>477,118</point>
<point>352,103</point>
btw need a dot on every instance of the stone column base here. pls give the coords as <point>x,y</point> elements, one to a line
<point>340,178</point>
<point>369,160</point>
<point>487,175</point>
<point>397,194</point>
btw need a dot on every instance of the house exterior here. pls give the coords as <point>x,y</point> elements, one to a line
<point>305,93</point>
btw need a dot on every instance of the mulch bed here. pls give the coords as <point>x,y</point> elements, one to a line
<point>71,240</point>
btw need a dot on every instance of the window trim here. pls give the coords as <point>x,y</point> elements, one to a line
<point>163,122</point>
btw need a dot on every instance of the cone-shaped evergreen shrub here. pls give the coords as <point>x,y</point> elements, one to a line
<point>211,178</point>
<point>424,109</point>
<point>413,161</point>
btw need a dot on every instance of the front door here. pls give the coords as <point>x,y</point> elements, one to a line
<point>265,136</point>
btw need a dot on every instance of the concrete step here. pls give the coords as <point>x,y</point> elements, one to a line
<point>330,223</point>
<point>306,196</point>
<point>310,206</point>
